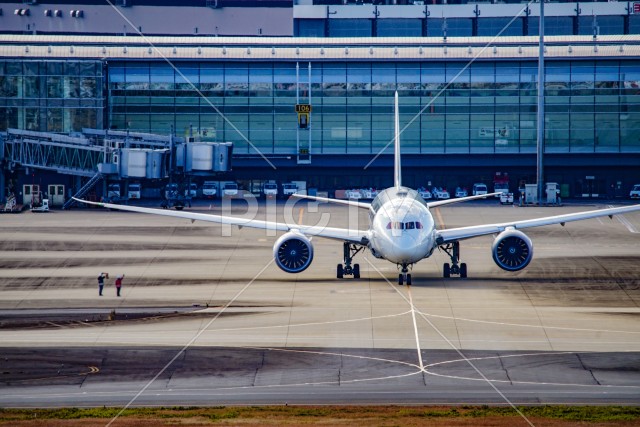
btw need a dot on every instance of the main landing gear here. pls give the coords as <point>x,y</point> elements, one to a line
<point>404,276</point>
<point>453,250</point>
<point>350,250</point>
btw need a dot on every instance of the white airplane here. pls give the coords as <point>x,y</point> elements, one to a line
<point>401,230</point>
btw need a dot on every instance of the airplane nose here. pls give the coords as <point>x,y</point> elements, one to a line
<point>403,250</point>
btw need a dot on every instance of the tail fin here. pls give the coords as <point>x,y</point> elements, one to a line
<point>396,154</point>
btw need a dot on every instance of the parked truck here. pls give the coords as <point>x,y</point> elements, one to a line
<point>501,183</point>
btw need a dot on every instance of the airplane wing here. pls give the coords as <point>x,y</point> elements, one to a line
<point>342,234</point>
<point>460,199</point>
<point>361,205</point>
<point>461,233</point>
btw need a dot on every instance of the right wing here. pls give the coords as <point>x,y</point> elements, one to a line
<point>361,205</point>
<point>343,234</point>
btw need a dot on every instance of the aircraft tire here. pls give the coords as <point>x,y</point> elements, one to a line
<point>408,280</point>
<point>463,270</point>
<point>340,271</point>
<point>446,270</point>
<point>356,271</point>
<point>400,279</point>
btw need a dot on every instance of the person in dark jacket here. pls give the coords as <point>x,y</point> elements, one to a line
<point>101,278</point>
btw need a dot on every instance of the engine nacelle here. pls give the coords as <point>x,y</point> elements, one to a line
<point>512,250</point>
<point>293,252</point>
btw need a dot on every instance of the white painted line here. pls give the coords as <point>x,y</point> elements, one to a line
<point>624,221</point>
<point>415,327</point>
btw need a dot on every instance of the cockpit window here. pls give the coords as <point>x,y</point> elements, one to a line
<point>411,225</point>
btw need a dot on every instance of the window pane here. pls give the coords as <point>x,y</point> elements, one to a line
<point>350,28</point>
<point>503,26</point>
<point>399,27</point>
<point>452,27</point>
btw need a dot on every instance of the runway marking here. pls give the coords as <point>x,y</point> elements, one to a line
<point>527,326</point>
<point>624,221</point>
<point>444,337</point>
<point>249,328</point>
<point>186,346</point>
<point>415,327</point>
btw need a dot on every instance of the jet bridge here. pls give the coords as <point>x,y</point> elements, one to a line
<point>93,154</point>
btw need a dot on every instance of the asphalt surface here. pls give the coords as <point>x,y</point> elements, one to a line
<point>207,318</point>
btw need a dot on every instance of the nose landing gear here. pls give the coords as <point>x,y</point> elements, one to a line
<point>350,250</point>
<point>453,250</point>
<point>404,276</point>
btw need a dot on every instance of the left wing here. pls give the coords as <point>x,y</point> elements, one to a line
<point>343,234</point>
<point>461,233</point>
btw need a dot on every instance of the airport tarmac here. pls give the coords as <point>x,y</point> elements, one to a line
<point>207,318</point>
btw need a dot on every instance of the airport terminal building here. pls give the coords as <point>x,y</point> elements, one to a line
<point>304,91</point>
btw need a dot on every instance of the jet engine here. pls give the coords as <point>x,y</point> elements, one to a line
<point>512,250</point>
<point>293,252</point>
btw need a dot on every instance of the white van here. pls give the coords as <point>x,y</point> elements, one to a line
<point>230,189</point>
<point>209,189</point>
<point>635,192</point>
<point>133,191</point>
<point>479,189</point>
<point>270,189</point>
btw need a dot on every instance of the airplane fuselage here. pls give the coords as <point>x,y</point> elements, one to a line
<point>402,229</point>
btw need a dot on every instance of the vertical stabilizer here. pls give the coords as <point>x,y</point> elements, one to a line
<point>396,153</point>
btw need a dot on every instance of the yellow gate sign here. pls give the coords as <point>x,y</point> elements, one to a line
<point>303,108</point>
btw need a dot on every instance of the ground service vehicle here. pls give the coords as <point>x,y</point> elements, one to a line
<point>270,189</point>
<point>230,189</point>
<point>171,191</point>
<point>289,188</point>
<point>479,189</point>
<point>501,183</point>
<point>209,189</point>
<point>461,192</point>
<point>506,198</point>
<point>440,193</point>
<point>191,190</point>
<point>635,192</point>
<point>133,191</point>
<point>113,191</point>
<point>424,193</point>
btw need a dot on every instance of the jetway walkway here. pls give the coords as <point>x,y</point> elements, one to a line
<point>73,155</point>
<point>96,154</point>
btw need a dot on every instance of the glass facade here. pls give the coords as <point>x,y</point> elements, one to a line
<point>489,107</point>
<point>467,27</point>
<point>54,96</point>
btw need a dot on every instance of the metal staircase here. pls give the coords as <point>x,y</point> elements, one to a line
<point>84,190</point>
